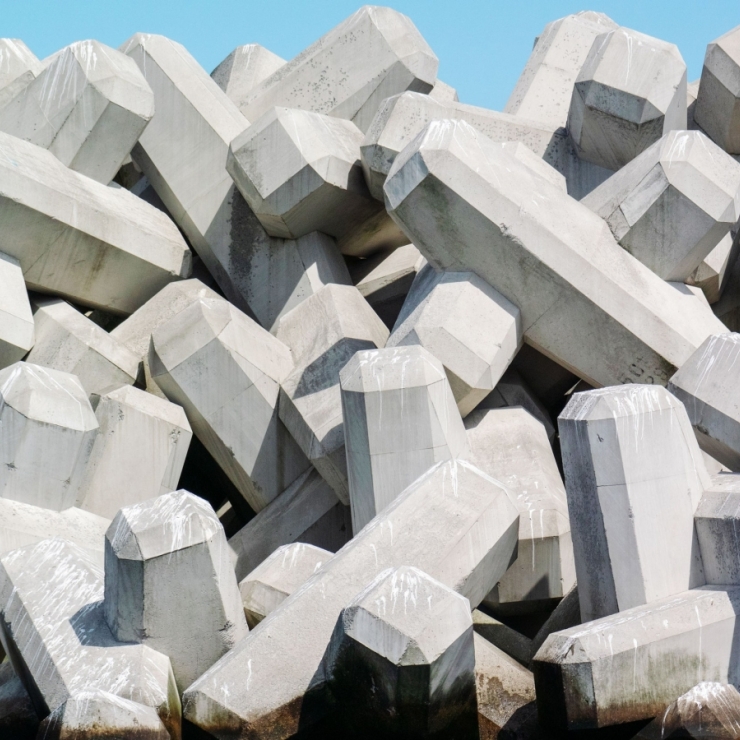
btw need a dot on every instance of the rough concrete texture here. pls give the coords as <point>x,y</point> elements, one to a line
<point>705,385</point>
<point>630,91</point>
<point>279,576</point>
<point>401,656</point>
<point>17,333</point>
<point>18,67</point>
<point>170,584</point>
<point>400,419</point>
<point>466,324</point>
<point>244,69</point>
<point>510,445</point>
<point>712,274</point>
<point>223,368</point>
<point>463,534</point>
<point>323,333</point>
<point>375,53</point>
<point>145,436</point>
<point>67,340</point>
<point>584,301</point>
<point>684,180</point>
<point>634,476</point>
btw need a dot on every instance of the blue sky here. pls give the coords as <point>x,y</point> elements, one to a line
<point>482,44</point>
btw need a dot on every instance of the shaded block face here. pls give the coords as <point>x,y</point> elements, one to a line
<point>713,273</point>
<point>88,107</point>
<point>402,656</point>
<point>705,384</point>
<point>584,301</point>
<point>400,420</point>
<point>169,583</point>
<point>283,573</point>
<point>717,108</point>
<point>716,528</point>
<point>467,325</point>
<point>20,67</point>
<point>17,333</point>
<point>444,92</point>
<point>511,446</point>
<point>48,431</point>
<point>375,53</point>
<point>18,719</point>
<point>139,451</point>
<point>634,476</point>
<point>324,333</point>
<point>631,90</point>
<point>223,368</point>
<point>673,204</point>
<point>244,69</point>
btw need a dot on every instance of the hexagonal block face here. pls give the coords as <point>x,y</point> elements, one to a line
<point>244,69</point>
<point>48,431</point>
<point>717,108</point>
<point>466,324</point>
<point>673,204</point>
<point>630,91</point>
<point>170,584</point>
<point>634,476</point>
<point>20,67</point>
<point>402,654</point>
<point>716,521</point>
<point>400,419</point>
<point>16,321</point>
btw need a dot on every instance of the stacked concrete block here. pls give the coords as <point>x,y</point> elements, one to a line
<point>444,92</point>
<point>16,321</point>
<point>713,273</point>
<point>18,68</point>
<point>244,69</point>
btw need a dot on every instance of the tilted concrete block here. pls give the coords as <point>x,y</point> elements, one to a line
<point>400,419</point>
<point>67,340</point>
<point>584,301</point>
<point>170,585</point>
<point>401,657</point>
<point>98,246</point>
<point>19,68</point>
<point>716,520</point>
<point>139,451</point>
<point>279,576</point>
<point>713,273</point>
<point>48,432</point>
<point>17,333</point>
<point>443,92</point>
<point>244,69</point>
<point>631,90</point>
<point>55,634</point>
<point>223,368</point>
<point>467,325</point>
<point>513,643</point>
<point>634,476</point>
<point>671,205</point>
<point>459,526</point>
<point>511,446</point>
<point>323,333</point>
<point>375,53</point>
<point>88,107</point>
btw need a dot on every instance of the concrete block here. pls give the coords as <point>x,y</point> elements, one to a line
<point>400,420</point>
<point>716,520</point>
<point>713,273</point>
<point>279,576</point>
<point>672,205</point>
<point>443,92</point>
<point>401,658</point>
<point>19,68</point>
<point>169,583</point>
<point>566,614</point>
<point>244,69</point>
<point>459,526</point>
<point>67,340</point>
<point>18,718</point>
<point>375,53</point>
<point>323,333</point>
<point>630,91</point>
<point>17,333</point>
<point>140,435</point>
<point>467,325</point>
<point>584,301</point>
<point>692,92</point>
<point>223,368</point>
<point>513,643</point>
<point>634,476</point>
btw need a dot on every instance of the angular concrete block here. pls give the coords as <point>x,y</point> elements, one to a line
<point>716,520</point>
<point>20,67</point>
<point>323,333</point>
<point>67,340</point>
<point>244,69</point>
<point>467,325</point>
<point>401,658</point>
<point>375,53</point>
<point>48,432</point>
<point>713,273</point>
<point>565,615</point>
<point>634,476</point>
<point>139,451</point>
<point>630,91</point>
<point>169,583</point>
<point>584,301</point>
<point>98,246</point>
<point>400,420</point>
<point>443,92</point>
<point>17,333</point>
<point>223,368</point>
<point>279,576</point>
<point>88,107</point>
<point>513,643</point>
<point>672,205</point>
<point>459,526</point>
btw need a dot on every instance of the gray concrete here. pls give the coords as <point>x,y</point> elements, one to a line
<point>19,67</point>
<point>18,718</point>
<point>513,643</point>
<point>444,92</point>
<point>713,273</point>
<point>17,333</point>
<point>716,521</point>
<point>565,615</point>
<point>244,69</point>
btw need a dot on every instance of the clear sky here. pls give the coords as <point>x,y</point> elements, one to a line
<point>482,44</point>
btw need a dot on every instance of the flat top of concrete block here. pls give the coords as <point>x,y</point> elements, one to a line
<point>148,404</point>
<point>289,567</point>
<point>391,369</point>
<point>15,59</point>
<point>617,402</point>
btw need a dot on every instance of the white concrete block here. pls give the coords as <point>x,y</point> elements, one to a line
<point>17,333</point>
<point>244,69</point>
<point>19,67</point>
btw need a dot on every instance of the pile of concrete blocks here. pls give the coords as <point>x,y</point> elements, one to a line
<point>334,406</point>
